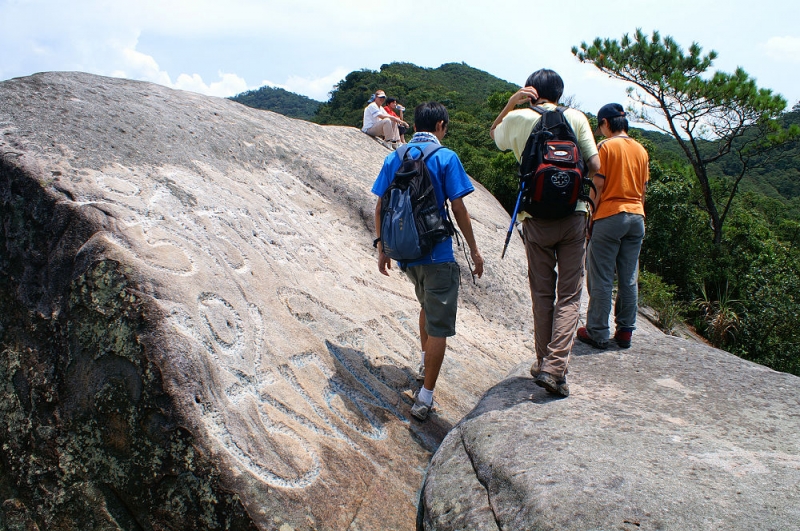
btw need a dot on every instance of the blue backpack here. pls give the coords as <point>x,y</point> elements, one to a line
<point>411,222</point>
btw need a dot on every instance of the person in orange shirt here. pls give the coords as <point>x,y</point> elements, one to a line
<point>617,232</point>
<point>394,109</point>
<point>379,123</point>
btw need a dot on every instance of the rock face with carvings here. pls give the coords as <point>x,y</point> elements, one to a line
<point>194,331</point>
<point>670,434</point>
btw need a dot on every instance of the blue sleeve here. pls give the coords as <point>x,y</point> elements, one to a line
<point>457,183</point>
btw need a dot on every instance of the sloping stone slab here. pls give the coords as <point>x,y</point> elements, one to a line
<point>670,434</point>
<point>194,331</point>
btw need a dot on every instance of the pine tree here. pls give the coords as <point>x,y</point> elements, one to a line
<point>707,115</point>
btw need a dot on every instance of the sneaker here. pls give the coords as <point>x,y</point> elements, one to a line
<point>584,337</point>
<point>551,384</point>
<point>420,410</point>
<point>623,337</point>
<point>420,376</point>
<point>384,143</point>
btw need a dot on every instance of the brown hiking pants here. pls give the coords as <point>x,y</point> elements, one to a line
<point>556,250</point>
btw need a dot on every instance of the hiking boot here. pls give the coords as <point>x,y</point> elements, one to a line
<point>623,337</point>
<point>584,337</point>
<point>420,376</point>
<point>551,384</point>
<point>535,369</point>
<point>420,410</point>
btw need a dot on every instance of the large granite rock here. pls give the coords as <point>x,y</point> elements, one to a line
<point>194,331</point>
<point>669,435</point>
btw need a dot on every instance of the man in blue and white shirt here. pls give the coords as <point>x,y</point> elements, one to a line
<point>436,277</point>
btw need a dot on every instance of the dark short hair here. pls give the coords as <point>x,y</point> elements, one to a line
<point>547,83</point>
<point>618,123</point>
<point>389,100</point>
<point>428,114</point>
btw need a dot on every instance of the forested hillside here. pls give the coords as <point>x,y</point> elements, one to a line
<point>280,101</point>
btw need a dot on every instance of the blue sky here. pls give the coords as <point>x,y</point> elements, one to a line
<point>224,48</point>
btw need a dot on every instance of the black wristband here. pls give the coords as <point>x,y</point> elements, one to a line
<point>375,242</point>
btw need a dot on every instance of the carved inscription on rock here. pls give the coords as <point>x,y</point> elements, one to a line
<point>296,368</point>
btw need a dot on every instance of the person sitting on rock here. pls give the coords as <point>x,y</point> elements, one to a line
<point>395,109</point>
<point>379,123</point>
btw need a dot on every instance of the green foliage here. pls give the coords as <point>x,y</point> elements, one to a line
<point>280,101</point>
<point>769,331</point>
<point>660,296</point>
<point>710,117</point>
<point>676,243</point>
<point>720,315</point>
<point>777,176</point>
<point>746,287</point>
<point>763,273</point>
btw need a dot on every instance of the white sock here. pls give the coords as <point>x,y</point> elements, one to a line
<point>426,396</point>
<point>422,359</point>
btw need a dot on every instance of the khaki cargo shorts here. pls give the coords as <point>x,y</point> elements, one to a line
<point>436,286</point>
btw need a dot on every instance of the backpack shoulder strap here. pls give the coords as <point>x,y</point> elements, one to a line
<point>555,117</point>
<point>549,118</point>
<point>430,149</point>
<point>426,151</point>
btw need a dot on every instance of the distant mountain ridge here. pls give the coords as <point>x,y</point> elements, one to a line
<point>457,85</point>
<point>281,101</point>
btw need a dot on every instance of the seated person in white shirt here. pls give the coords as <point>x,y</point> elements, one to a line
<point>377,122</point>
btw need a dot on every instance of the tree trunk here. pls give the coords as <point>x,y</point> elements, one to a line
<point>711,207</point>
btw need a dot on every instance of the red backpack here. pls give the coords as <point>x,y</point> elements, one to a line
<point>552,172</point>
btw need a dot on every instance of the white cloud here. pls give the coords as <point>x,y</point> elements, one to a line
<point>785,49</point>
<point>228,85</point>
<point>215,47</point>
<point>136,65</point>
<point>315,87</point>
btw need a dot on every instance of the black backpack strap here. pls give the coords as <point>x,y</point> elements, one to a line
<point>427,151</point>
<point>554,118</point>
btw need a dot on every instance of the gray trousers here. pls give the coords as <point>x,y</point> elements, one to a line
<point>615,245</point>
